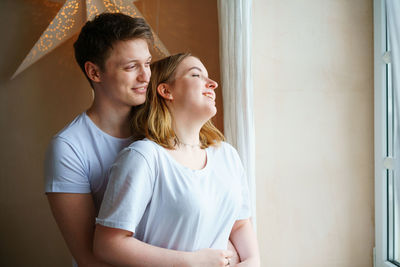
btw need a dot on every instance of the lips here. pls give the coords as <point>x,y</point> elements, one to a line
<point>210,94</point>
<point>140,90</point>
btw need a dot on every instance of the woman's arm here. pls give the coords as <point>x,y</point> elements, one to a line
<point>245,242</point>
<point>118,247</point>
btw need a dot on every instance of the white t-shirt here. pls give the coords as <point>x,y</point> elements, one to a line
<point>79,157</point>
<point>168,205</point>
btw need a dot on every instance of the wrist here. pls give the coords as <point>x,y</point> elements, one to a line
<point>185,260</point>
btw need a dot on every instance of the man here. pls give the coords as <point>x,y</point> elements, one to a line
<point>112,51</point>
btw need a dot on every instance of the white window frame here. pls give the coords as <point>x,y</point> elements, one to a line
<point>382,163</point>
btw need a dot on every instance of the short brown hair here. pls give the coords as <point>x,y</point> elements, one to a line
<point>98,36</point>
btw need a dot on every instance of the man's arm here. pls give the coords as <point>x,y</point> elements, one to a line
<point>75,216</point>
<point>245,241</point>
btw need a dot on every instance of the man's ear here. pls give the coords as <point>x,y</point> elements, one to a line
<point>164,90</point>
<point>92,71</point>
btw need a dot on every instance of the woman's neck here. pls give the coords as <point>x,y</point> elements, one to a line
<point>187,134</point>
<point>187,148</point>
<point>187,126</point>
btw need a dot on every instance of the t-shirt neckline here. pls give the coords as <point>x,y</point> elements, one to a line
<point>103,132</point>
<point>181,166</point>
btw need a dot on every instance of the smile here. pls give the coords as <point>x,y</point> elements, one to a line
<point>140,90</point>
<point>210,95</point>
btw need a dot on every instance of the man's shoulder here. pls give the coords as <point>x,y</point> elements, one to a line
<point>75,129</point>
<point>69,140</point>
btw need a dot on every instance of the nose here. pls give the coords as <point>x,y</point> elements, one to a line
<point>144,74</point>
<point>211,84</point>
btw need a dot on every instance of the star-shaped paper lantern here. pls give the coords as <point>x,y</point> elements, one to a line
<point>70,19</point>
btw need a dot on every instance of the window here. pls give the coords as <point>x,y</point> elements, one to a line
<point>387,131</point>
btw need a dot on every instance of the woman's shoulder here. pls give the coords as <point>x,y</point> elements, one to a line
<point>226,149</point>
<point>145,147</point>
<point>138,151</point>
<point>226,155</point>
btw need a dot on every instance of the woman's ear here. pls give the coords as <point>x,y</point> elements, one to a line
<point>92,71</point>
<point>164,90</point>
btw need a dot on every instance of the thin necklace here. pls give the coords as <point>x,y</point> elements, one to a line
<point>179,142</point>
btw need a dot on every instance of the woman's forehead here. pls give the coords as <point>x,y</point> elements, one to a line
<point>190,63</point>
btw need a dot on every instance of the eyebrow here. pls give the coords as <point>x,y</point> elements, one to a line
<point>135,60</point>
<point>197,68</point>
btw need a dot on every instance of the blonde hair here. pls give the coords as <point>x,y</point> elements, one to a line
<point>153,119</point>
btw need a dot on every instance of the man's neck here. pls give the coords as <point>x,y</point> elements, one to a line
<point>112,121</point>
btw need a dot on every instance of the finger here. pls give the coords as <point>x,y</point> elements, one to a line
<point>226,262</point>
<point>228,253</point>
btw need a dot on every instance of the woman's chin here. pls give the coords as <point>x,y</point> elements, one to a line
<point>204,114</point>
<point>212,111</point>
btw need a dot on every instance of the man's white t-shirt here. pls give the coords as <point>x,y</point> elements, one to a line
<point>79,157</point>
<point>168,205</point>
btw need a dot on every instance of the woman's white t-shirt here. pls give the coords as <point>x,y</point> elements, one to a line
<point>168,205</point>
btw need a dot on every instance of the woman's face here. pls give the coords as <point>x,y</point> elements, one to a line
<point>192,91</point>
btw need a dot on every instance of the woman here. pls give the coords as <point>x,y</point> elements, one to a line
<point>181,191</point>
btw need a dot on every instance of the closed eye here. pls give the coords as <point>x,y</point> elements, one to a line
<point>130,66</point>
<point>195,75</point>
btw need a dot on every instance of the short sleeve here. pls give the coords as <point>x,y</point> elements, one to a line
<point>245,210</point>
<point>128,192</point>
<point>64,169</point>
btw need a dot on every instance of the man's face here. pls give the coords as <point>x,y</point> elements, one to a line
<point>123,83</point>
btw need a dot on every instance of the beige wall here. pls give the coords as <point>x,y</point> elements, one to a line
<point>313,74</point>
<point>45,97</point>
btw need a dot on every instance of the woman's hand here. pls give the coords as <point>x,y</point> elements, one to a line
<point>210,258</point>
<point>235,258</point>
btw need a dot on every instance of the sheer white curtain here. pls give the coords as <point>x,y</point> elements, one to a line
<point>237,87</point>
<point>393,19</point>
